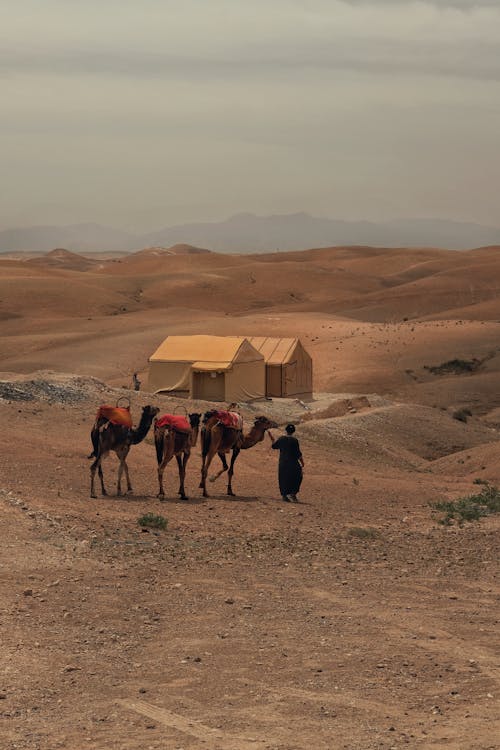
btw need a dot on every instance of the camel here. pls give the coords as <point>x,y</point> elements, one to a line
<point>220,439</point>
<point>107,437</point>
<point>171,442</point>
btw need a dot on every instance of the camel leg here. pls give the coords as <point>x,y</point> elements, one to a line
<point>119,479</point>
<point>161,469</point>
<point>167,457</point>
<point>202,469</point>
<point>123,468</point>
<point>207,460</point>
<point>122,454</point>
<point>93,468</point>
<point>96,466</point>
<point>181,463</point>
<point>236,452</point>
<point>127,477</point>
<point>101,477</point>
<point>222,457</point>
<point>203,457</point>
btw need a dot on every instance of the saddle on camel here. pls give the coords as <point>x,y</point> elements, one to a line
<point>230,419</point>
<point>118,415</point>
<point>175,422</point>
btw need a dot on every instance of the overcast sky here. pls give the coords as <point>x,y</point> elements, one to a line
<point>145,113</point>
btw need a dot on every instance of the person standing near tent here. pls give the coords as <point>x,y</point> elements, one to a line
<point>291,464</point>
<point>136,382</point>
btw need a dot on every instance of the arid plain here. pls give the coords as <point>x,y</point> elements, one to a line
<point>353,619</point>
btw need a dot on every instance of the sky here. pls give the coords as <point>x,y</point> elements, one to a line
<point>141,114</point>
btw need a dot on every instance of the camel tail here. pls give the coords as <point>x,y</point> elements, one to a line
<point>94,436</point>
<point>205,441</point>
<point>159,437</point>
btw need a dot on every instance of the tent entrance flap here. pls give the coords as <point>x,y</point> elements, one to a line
<point>209,386</point>
<point>274,376</point>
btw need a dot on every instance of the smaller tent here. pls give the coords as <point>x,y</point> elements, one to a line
<point>212,368</point>
<point>288,366</point>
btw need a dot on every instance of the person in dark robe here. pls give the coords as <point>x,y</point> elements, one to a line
<point>136,382</point>
<point>290,464</point>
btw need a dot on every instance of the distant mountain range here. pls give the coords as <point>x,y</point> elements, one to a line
<point>250,233</point>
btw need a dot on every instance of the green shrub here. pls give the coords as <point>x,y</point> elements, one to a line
<point>361,532</point>
<point>470,507</point>
<point>152,521</point>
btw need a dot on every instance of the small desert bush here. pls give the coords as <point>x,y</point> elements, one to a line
<point>462,414</point>
<point>455,367</point>
<point>470,507</point>
<point>361,532</point>
<point>152,521</point>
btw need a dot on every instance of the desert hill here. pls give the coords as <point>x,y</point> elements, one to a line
<point>179,249</point>
<point>246,232</point>
<point>374,319</point>
<point>61,258</point>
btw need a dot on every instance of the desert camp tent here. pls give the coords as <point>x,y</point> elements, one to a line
<point>288,366</point>
<point>213,368</point>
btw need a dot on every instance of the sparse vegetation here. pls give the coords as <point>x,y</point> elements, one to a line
<point>152,521</point>
<point>462,414</point>
<point>470,507</point>
<point>362,532</point>
<point>455,367</point>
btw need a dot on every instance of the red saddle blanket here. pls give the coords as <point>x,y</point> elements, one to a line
<point>230,419</point>
<point>174,421</point>
<point>115,414</point>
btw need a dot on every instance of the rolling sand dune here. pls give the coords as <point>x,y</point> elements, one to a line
<point>350,620</point>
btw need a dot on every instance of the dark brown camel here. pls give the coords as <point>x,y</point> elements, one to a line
<point>107,437</point>
<point>216,438</point>
<point>172,442</point>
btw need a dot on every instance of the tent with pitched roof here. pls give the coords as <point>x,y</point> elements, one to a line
<point>212,368</point>
<point>288,366</point>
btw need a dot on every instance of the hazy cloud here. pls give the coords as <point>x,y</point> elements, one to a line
<point>354,109</point>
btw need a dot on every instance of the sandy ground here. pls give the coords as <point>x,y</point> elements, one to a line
<point>350,620</point>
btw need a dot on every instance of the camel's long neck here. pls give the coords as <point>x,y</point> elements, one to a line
<point>256,435</point>
<point>142,429</point>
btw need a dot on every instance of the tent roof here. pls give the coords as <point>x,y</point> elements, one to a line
<point>274,350</point>
<point>209,366</point>
<point>218,350</point>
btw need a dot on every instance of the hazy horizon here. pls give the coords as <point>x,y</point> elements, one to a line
<point>144,115</point>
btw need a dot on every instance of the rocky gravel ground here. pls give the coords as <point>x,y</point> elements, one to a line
<point>350,620</point>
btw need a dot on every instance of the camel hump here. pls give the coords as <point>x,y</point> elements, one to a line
<point>230,419</point>
<point>176,422</point>
<point>118,415</point>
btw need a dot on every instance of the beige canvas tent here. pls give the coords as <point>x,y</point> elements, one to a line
<point>288,366</point>
<point>213,368</point>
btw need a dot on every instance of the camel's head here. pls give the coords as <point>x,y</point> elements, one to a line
<point>265,423</point>
<point>150,411</point>
<point>194,420</point>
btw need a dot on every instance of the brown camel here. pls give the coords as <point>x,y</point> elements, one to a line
<point>220,439</point>
<point>107,437</point>
<point>171,441</point>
